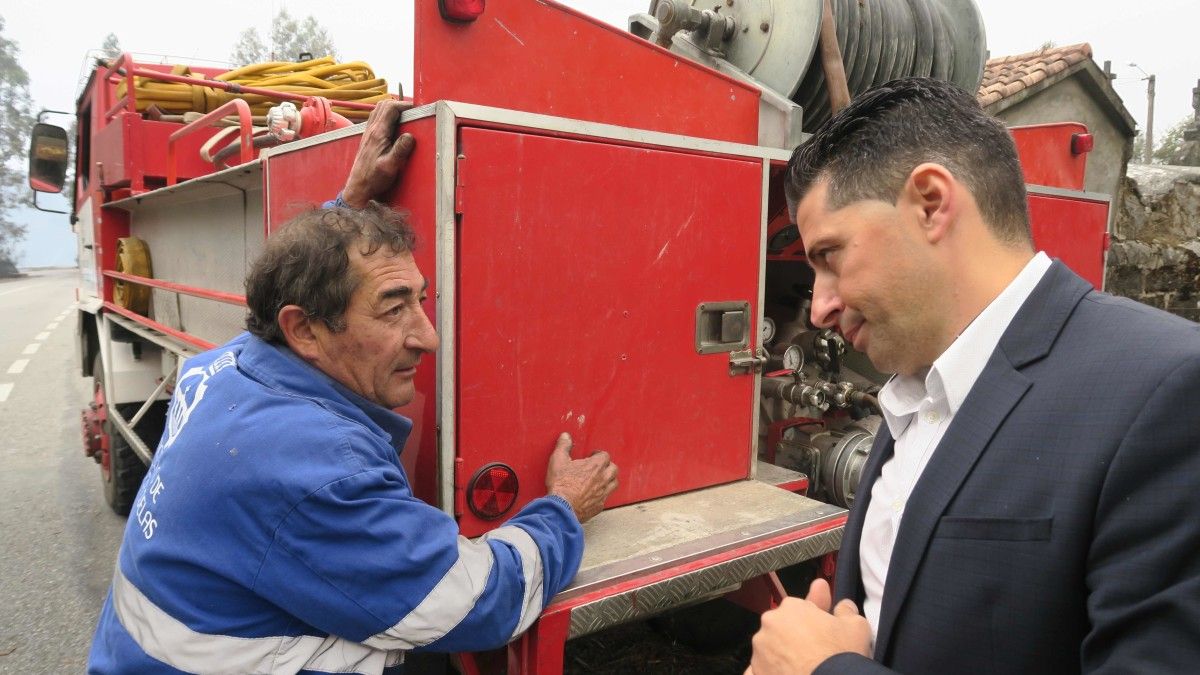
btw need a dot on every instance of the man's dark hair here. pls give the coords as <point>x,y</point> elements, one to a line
<point>869,149</point>
<point>307,263</point>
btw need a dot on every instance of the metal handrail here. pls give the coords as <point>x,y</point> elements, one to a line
<point>195,291</point>
<point>245,132</point>
<point>203,345</point>
<point>122,65</point>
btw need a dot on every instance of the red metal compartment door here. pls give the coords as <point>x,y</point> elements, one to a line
<point>580,269</point>
<point>1072,230</point>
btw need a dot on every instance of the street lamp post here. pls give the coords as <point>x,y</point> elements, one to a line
<point>1148,154</point>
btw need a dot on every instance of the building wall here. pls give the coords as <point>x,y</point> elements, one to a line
<point>1070,101</point>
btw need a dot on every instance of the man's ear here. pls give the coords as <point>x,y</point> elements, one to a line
<point>298,332</point>
<point>931,191</point>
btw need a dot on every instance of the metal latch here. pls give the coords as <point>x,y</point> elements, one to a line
<point>746,361</point>
<point>722,326</point>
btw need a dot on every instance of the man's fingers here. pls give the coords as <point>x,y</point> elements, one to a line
<point>820,595</point>
<point>389,112</point>
<point>564,444</point>
<point>375,112</point>
<point>402,148</point>
<point>846,608</point>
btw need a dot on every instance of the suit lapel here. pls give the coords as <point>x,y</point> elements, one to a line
<point>848,582</point>
<point>997,391</point>
<point>994,395</point>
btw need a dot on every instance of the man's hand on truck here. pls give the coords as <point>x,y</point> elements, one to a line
<point>381,155</point>
<point>584,483</point>
<point>799,635</point>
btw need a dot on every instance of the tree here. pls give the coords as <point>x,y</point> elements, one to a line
<point>15,121</point>
<point>1170,149</point>
<point>289,39</point>
<point>248,49</point>
<point>111,46</point>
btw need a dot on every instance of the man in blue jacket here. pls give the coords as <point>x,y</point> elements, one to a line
<point>275,531</point>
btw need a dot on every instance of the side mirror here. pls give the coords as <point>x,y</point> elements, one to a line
<point>47,158</point>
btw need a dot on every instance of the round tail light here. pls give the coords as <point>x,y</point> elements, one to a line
<point>492,491</point>
<point>461,10</point>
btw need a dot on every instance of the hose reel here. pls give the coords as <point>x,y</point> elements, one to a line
<point>773,43</point>
<point>133,257</point>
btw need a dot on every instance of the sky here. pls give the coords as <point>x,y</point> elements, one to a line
<point>1158,35</point>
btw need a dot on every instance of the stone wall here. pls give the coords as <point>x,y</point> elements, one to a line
<point>1155,257</point>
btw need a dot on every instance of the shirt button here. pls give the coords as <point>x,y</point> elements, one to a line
<point>932,417</point>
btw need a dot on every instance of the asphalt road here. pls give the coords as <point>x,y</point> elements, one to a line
<point>59,538</point>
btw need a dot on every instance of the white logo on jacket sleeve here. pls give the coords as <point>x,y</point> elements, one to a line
<point>189,390</point>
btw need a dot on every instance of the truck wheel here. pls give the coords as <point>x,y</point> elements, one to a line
<point>121,470</point>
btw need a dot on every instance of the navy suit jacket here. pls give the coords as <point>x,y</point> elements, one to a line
<point>1056,529</point>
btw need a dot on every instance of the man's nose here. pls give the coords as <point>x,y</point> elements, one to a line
<point>424,337</point>
<point>827,305</point>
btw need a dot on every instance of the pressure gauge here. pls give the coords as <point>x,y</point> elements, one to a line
<point>768,329</point>
<point>793,358</point>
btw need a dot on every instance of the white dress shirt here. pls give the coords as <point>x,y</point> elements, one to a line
<point>918,409</point>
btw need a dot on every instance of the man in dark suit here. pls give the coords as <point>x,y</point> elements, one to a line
<point>1033,504</point>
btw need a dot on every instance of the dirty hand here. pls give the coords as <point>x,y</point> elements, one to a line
<point>381,155</point>
<point>584,483</point>
<point>800,635</point>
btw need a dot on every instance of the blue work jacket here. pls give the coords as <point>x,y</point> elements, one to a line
<point>276,531</point>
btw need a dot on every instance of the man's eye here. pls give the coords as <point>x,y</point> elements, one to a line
<point>395,310</point>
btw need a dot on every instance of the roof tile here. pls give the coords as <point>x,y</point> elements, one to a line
<point>1008,75</point>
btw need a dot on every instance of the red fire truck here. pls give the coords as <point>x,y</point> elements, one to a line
<point>602,221</point>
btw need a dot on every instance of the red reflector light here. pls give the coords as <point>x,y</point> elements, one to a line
<point>461,10</point>
<point>1082,143</point>
<point>492,491</point>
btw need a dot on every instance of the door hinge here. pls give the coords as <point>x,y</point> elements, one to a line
<point>460,184</point>
<point>460,489</point>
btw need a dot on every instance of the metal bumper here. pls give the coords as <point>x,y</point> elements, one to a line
<point>644,559</point>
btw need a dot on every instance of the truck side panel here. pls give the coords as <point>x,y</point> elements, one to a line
<point>581,266</point>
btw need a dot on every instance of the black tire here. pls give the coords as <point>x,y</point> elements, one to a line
<point>126,470</point>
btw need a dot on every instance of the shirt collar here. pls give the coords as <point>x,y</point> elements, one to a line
<point>283,370</point>
<point>953,374</point>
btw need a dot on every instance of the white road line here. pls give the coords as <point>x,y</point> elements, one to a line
<point>18,366</point>
<point>5,389</point>
<point>32,348</point>
<point>52,326</point>
<point>16,290</point>
<point>41,336</point>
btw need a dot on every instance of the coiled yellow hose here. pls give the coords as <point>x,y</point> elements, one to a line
<point>353,81</point>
